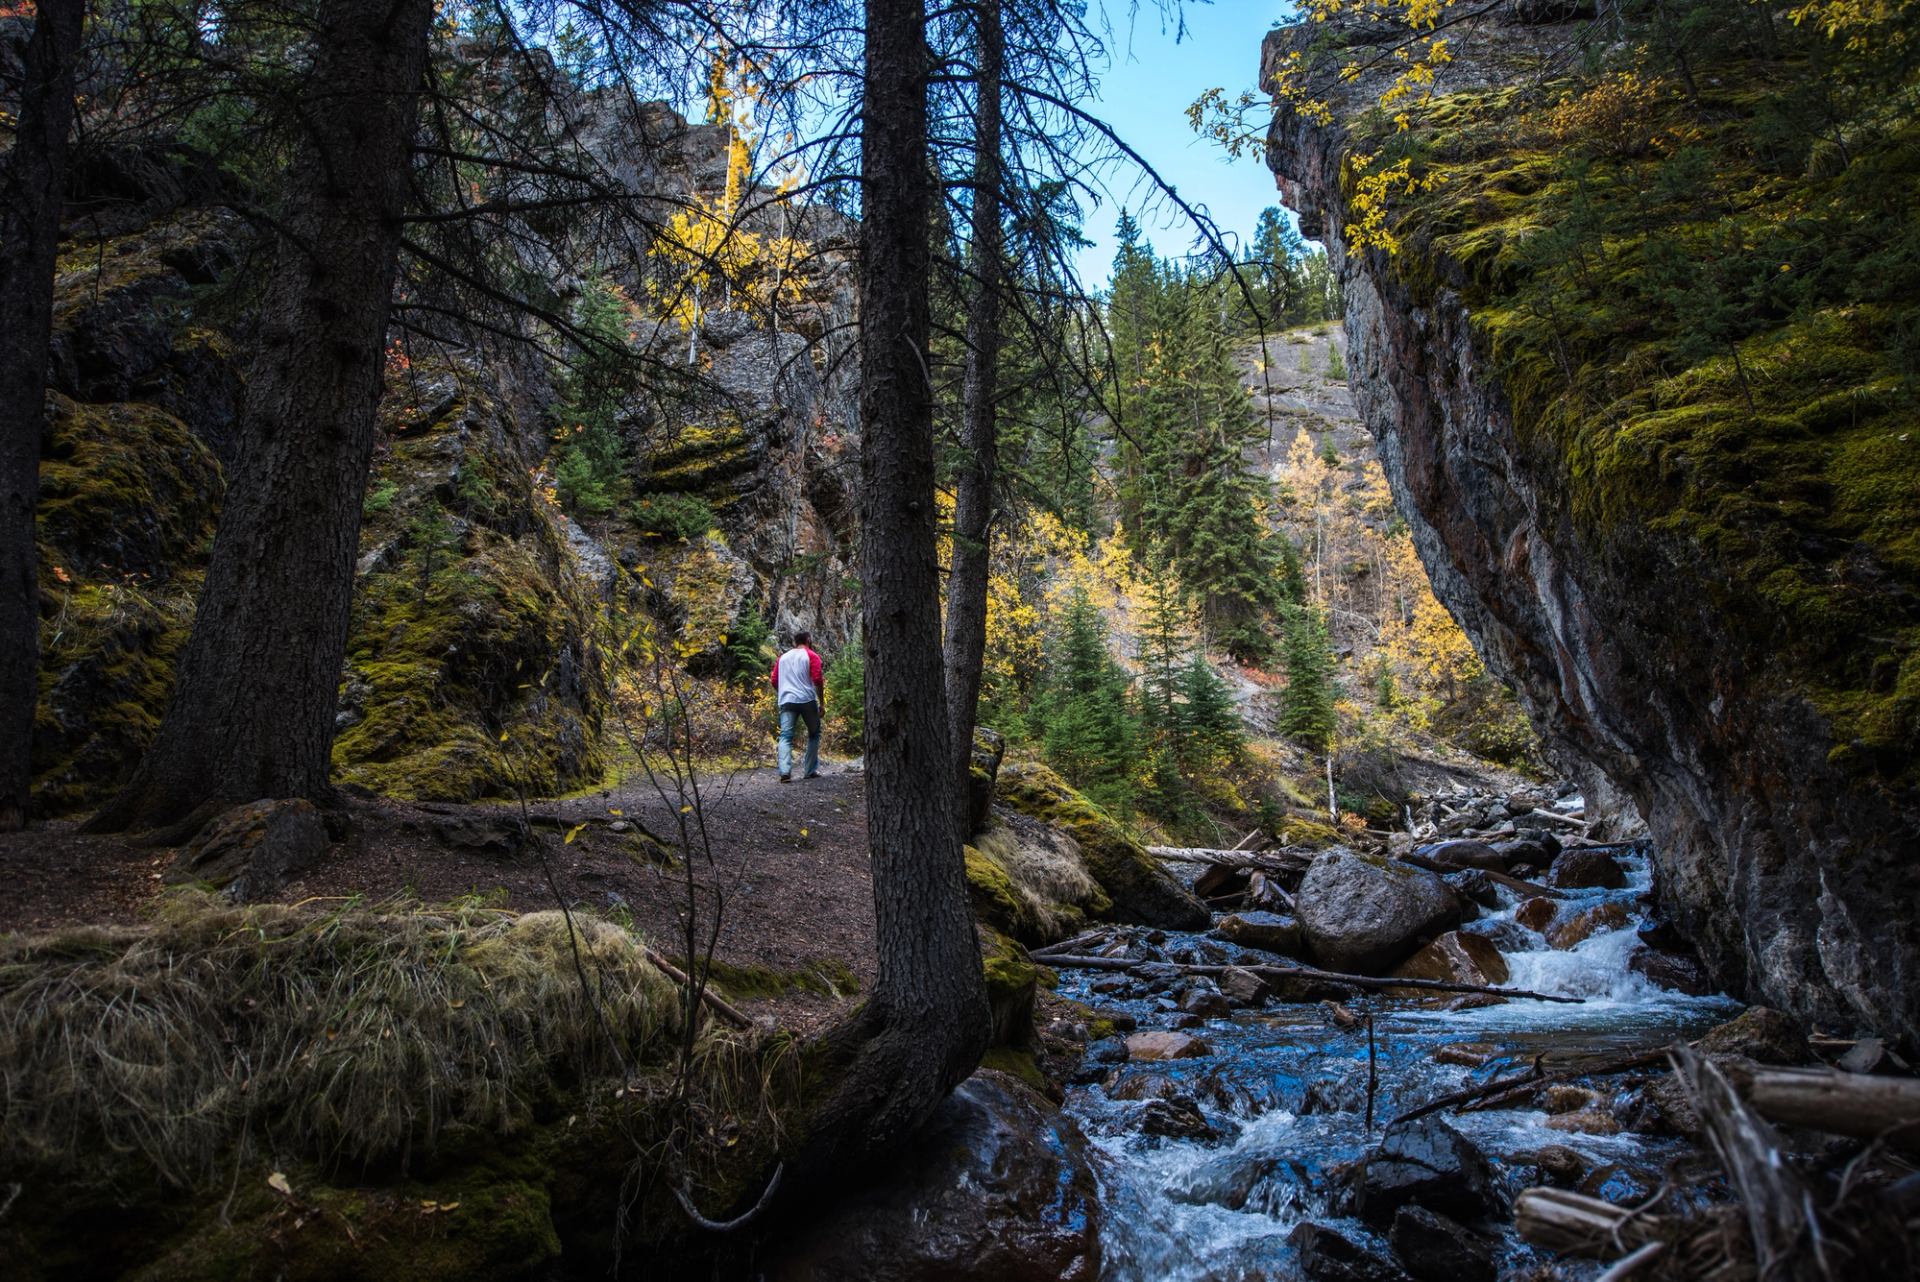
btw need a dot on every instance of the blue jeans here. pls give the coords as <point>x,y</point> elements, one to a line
<point>790,713</point>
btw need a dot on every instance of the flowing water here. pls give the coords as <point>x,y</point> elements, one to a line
<point>1288,1090</point>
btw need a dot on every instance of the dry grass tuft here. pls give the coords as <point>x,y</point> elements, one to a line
<point>1045,869</point>
<point>340,1032</point>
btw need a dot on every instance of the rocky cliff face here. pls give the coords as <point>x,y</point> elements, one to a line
<point>484,627</point>
<point>1786,849</point>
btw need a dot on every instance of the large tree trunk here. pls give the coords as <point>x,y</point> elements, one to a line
<point>254,703</point>
<point>926,1024</point>
<point>31,186</point>
<point>966,640</point>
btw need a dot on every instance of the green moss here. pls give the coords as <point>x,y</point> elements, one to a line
<point>1016,1063</point>
<point>471,667</point>
<point>1013,981</point>
<point>128,502</point>
<point>1774,502</point>
<point>1139,888</point>
<point>829,977</point>
<point>994,899</point>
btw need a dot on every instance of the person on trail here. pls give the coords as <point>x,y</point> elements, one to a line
<point>800,692</point>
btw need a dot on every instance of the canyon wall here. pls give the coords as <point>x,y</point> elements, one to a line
<point>1785,848</point>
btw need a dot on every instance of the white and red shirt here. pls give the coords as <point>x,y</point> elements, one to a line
<point>797,676</point>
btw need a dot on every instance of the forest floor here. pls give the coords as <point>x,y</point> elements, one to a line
<point>786,865</point>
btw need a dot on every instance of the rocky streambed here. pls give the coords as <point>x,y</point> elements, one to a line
<point>1238,1138</point>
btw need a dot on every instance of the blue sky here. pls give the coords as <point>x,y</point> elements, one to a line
<point>1144,96</point>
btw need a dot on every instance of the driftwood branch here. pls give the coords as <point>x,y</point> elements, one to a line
<point>1068,945</point>
<point>1825,1099</point>
<point>1493,1094</point>
<point>1573,1223</point>
<point>1369,982</point>
<point>721,1006</point>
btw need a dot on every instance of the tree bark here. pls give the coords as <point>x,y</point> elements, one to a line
<point>926,1024</point>
<point>32,184</point>
<point>966,639</point>
<point>254,703</point>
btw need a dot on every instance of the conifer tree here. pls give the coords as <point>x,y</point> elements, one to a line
<point>1306,706</point>
<point>1087,733</point>
<point>1211,733</point>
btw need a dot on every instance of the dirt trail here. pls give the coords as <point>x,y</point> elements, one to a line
<point>788,868</point>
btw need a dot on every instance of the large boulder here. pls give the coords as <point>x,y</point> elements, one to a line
<point>995,1187</point>
<point>1363,914</point>
<point>1760,1033</point>
<point>1139,887</point>
<point>1427,1163</point>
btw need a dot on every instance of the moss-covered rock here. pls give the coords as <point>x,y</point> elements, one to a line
<point>1138,887</point>
<point>472,666</point>
<point>128,501</point>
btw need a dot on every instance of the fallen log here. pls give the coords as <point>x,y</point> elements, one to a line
<point>1263,861</point>
<point>1505,879</point>
<point>1825,1099</point>
<point>1573,1223</point>
<point>1309,972</point>
<point>1552,817</point>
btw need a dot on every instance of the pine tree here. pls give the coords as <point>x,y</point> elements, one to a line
<point>1086,730</point>
<point>590,473</point>
<point>1306,706</point>
<point>1165,634</point>
<point>1211,732</point>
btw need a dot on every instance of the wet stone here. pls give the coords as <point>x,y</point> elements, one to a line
<point>1178,1118</point>
<point>1584,925</point>
<point>1587,870</point>
<point>1205,1003</point>
<point>1167,1045</point>
<point>1466,1054</point>
<point>1328,1255</point>
<point>1672,971</point>
<point>1537,914</point>
<point>1427,1162</point>
<point>1269,932</point>
<point>1434,1248</point>
<point>1586,1122</point>
<point>1760,1033</point>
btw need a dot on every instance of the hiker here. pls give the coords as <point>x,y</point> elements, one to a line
<point>799,690</point>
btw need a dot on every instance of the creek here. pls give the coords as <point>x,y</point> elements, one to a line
<point>1286,1091</point>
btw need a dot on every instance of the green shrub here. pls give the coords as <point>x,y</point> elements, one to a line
<point>847,694</point>
<point>672,516</point>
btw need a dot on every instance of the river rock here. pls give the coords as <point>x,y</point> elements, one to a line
<point>1505,936</point>
<point>1166,1045</point>
<point>1536,851</point>
<point>1672,971</point>
<point>1586,1122</point>
<point>1587,923</point>
<point>1587,870</point>
<point>1362,914</point>
<point>250,851</point>
<point>1759,1033</point>
<point>1244,988</point>
<point>1537,914</point>
<point>1328,1255</point>
<point>1205,1003</point>
<point>1427,1162</point>
<point>995,1188</point>
<point>1456,957</point>
<point>1466,1054</point>
<point>1270,932</point>
<point>1144,1086</point>
<point>1177,1117</point>
<point>1474,886</point>
<point>1434,1248</point>
<point>1564,1098</point>
<point>1464,854</point>
<point>1558,1165</point>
